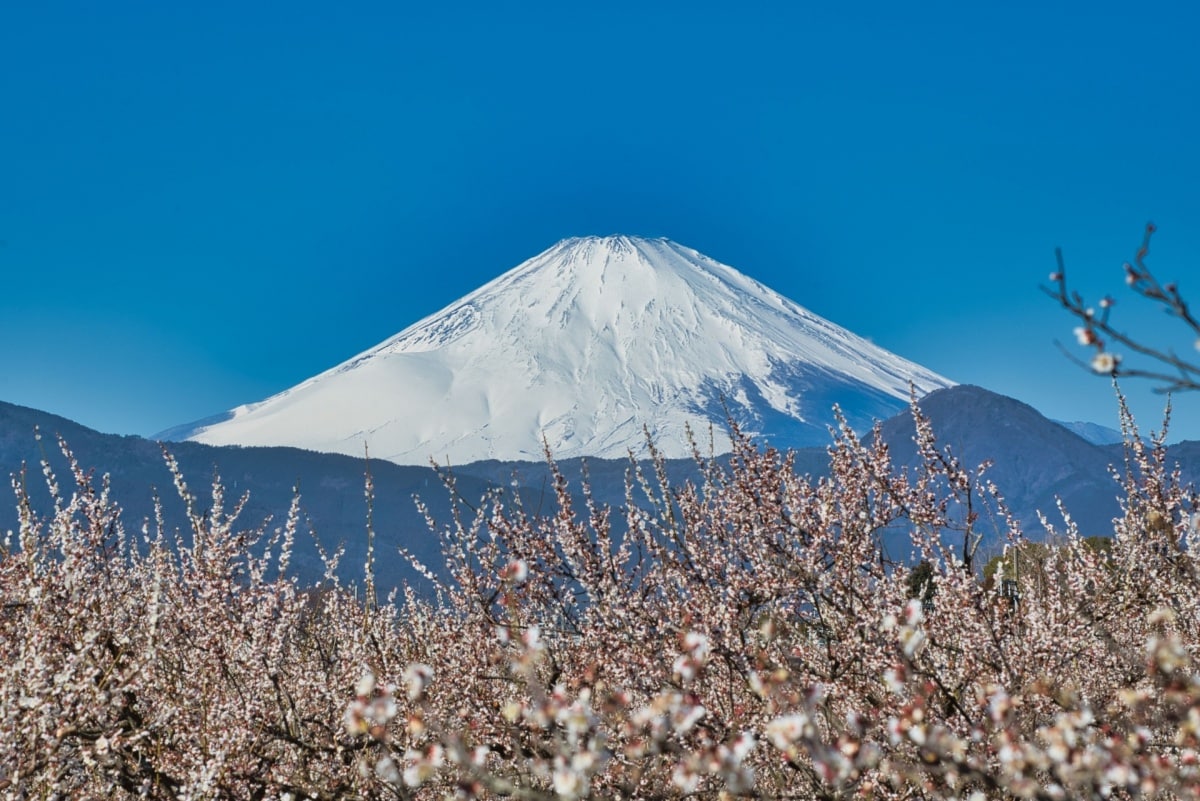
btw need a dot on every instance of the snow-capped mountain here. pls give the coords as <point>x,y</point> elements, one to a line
<point>588,345</point>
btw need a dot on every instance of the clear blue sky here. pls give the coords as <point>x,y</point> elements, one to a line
<point>202,204</point>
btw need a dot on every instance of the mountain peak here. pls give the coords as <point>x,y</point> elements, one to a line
<point>620,251</point>
<point>612,241</point>
<point>587,345</point>
<point>617,247</point>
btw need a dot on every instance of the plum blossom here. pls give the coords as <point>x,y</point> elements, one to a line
<point>1105,362</point>
<point>417,678</point>
<point>571,687</point>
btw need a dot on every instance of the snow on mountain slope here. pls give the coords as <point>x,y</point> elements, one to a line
<point>585,345</point>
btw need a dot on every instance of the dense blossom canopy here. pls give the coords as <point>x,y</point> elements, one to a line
<point>741,635</point>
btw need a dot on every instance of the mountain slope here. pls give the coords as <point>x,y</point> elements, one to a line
<point>587,345</point>
<point>330,486</point>
<point>1034,460</point>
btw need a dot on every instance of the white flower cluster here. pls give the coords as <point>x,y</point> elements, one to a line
<point>695,654</point>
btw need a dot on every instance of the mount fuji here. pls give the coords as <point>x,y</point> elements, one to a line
<point>587,347</point>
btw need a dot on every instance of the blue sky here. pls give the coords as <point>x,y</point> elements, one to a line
<point>203,204</point>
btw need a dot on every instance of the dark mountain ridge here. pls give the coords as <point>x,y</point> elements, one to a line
<point>1034,461</point>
